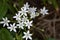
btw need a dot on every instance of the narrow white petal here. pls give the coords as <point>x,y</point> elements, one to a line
<point>24,37</point>
<point>8,27</point>
<point>11,25</point>
<point>7,24</point>
<point>30,37</point>
<point>1,22</point>
<point>31,21</point>
<point>3,25</point>
<point>14,24</point>
<point>30,34</point>
<point>8,21</point>
<point>3,18</point>
<point>14,16</point>
<point>24,32</point>
<point>43,8</point>
<point>14,30</point>
<point>28,27</point>
<point>28,31</point>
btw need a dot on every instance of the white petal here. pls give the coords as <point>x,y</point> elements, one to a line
<point>28,27</point>
<point>24,32</point>
<point>46,10</point>
<point>28,31</point>
<point>30,37</point>
<point>14,16</point>
<point>14,30</point>
<point>8,27</point>
<point>1,22</point>
<point>25,14</point>
<point>24,37</point>
<point>31,21</point>
<point>7,24</point>
<point>43,8</point>
<point>8,21</point>
<point>30,34</point>
<point>13,24</point>
<point>3,25</point>
<point>3,18</point>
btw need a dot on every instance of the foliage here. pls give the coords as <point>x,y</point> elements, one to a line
<point>9,8</point>
<point>5,34</point>
<point>53,2</point>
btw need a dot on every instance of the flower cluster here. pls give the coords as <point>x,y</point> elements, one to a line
<point>24,19</point>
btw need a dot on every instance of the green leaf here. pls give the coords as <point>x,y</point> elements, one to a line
<point>19,37</point>
<point>5,34</point>
<point>3,9</point>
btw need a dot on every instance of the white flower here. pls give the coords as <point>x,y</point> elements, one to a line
<point>32,15</point>
<point>5,22</point>
<point>17,16</point>
<point>27,35</point>
<point>26,5</point>
<point>21,25</point>
<point>43,11</point>
<point>12,27</point>
<point>24,19</point>
<point>23,11</point>
<point>28,24</point>
<point>32,10</point>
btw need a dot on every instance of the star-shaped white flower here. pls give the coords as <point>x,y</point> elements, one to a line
<point>32,10</point>
<point>26,5</point>
<point>32,15</point>
<point>21,25</point>
<point>24,19</point>
<point>17,16</point>
<point>27,35</point>
<point>43,11</point>
<point>5,22</point>
<point>12,27</point>
<point>23,11</point>
<point>29,24</point>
